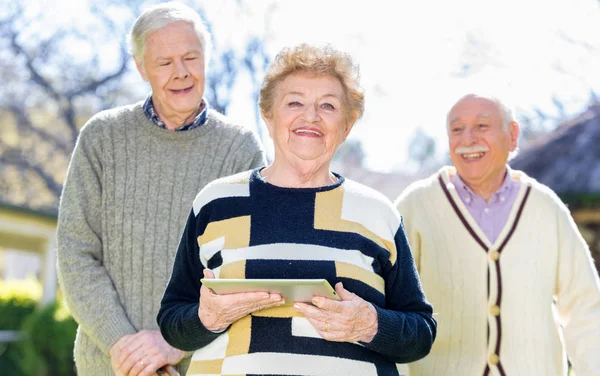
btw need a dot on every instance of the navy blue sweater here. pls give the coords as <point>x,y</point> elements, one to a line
<point>244,227</point>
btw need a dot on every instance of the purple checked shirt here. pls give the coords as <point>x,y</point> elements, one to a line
<point>490,216</point>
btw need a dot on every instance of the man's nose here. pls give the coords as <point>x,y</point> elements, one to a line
<point>181,70</point>
<point>468,137</point>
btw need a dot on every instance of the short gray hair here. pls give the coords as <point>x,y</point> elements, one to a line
<point>161,15</point>
<point>506,112</point>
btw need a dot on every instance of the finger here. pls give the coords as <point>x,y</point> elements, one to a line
<point>119,345</point>
<point>133,345</point>
<point>135,362</point>
<point>329,305</point>
<point>325,329</point>
<point>343,293</point>
<point>310,311</point>
<point>208,274</point>
<point>149,370</point>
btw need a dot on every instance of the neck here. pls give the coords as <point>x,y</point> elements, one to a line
<point>174,120</point>
<point>289,175</point>
<point>486,188</point>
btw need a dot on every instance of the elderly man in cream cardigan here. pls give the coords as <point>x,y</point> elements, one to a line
<point>500,258</point>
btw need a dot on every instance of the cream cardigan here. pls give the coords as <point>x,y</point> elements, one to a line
<point>494,302</point>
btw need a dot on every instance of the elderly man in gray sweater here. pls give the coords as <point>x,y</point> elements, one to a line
<point>132,179</point>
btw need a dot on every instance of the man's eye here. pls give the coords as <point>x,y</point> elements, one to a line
<point>482,125</point>
<point>164,63</point>
<point>191,58</point>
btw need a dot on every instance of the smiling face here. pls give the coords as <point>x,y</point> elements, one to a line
<point>307,123</point>
<point>479,143</point>
<point>174,66</point>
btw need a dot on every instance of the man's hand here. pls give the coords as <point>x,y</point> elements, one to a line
<point>143,354</point>
<point>350,320</point>
<point>217,312</point>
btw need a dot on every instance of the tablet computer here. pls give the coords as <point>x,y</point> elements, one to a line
<point>292,290</point>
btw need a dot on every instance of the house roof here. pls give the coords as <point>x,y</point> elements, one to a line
<point>49,213</point>
<point>567,159</point>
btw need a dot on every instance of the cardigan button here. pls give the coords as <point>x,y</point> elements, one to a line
<point>495,310</point>
<point>494,255</point>
<point>494,360</point>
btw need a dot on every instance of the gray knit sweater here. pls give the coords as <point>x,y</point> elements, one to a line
<point>128,192</point>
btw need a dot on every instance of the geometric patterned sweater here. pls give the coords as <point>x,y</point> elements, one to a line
<point>511,307</point>
<point>243,227</point>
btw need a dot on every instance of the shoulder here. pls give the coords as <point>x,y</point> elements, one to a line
<point>366,202</point>
<point>228,186</point>
<point>225,124</point>
<point>242,138</point>
<point>541,194</point>
<point>103,120</point>
<point>420,189</point>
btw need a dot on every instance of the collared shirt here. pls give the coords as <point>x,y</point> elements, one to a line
<point>154,118</point>
<point>491,216</point>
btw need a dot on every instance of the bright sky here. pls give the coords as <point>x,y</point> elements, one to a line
<point>413,57</point>
<point>417,57</point>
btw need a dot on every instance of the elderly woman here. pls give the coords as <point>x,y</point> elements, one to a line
<point>295,219</point>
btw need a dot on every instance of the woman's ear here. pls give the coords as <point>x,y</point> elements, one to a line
<point>349,124</point>
<point>267,121</point>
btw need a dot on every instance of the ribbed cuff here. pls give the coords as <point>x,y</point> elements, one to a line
<point>110,331</point>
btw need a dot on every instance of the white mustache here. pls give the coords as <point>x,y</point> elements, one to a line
<point>471,149</point>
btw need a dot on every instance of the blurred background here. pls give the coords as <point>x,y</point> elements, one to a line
<point>61,61</point>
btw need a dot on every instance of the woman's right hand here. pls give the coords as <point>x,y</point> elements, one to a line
<point>217,312</point>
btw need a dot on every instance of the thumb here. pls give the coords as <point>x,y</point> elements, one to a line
<point>343,293</point>
<point>208,274</point>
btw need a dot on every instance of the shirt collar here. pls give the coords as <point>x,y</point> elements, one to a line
<point>468,194</point>
<point>151,113</point>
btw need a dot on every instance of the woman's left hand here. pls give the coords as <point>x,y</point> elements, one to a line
<point>349,320</point>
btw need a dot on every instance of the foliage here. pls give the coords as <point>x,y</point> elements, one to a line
<point>48,347</point>
<point>581,200</point>
<point>48,333</point>
<point>17,302</point>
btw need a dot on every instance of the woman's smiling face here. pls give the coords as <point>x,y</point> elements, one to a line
<point>308,121</point>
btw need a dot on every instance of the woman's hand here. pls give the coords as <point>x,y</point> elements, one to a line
<point>217,312</point>
<point>350,320</point>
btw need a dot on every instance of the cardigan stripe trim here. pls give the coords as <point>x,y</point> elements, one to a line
<point>460,214</point>
<point>471,231</point>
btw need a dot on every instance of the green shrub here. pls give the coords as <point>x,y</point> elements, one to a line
<point>17,302</point>
<point>48,333</point>
<point>48,348</point>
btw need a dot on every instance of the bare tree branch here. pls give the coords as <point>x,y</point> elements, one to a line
<point>24,122</point>
<point>25,164</point>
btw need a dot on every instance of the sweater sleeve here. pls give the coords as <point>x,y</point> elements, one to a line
<point>414,239</point>
<point>84,280</point>
<point>406,327</point>
<point>178,315</point>
<point>578,297</point>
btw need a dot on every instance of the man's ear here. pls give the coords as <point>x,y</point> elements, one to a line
<point>140,67</point>
<point>514,131</point>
